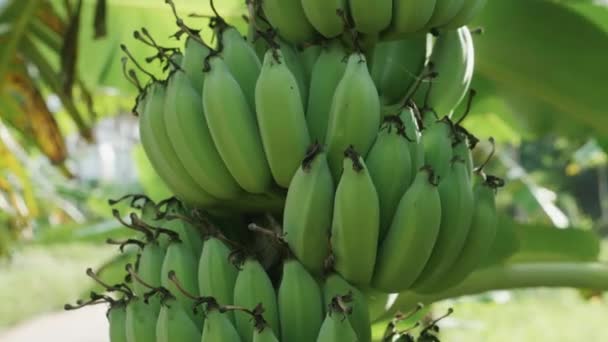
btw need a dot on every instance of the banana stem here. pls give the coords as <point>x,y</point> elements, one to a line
<point>513,276</point>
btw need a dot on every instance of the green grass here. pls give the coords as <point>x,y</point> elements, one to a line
<point>532,315</point>
<point>40,279</point>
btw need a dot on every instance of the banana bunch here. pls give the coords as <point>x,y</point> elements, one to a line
<point>304,21</point>
<point>307,173</point>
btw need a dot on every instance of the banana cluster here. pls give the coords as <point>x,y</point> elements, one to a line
<point>301,21</point>
<point>192,286</point>
<point>307,174</point>
<point>227,130</point>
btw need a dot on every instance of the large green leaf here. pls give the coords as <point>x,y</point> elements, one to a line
<point>543,51</point>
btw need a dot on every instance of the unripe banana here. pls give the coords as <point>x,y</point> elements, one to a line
<point>234,130</point>
<point>479,239</point>
<point>456,195</point>
<point>445,11</point>
<point>359,318</point>
<point>281,120</point>
<point>216,272</point>
<point>187,233</point>
<point>174,324</point>
<point>469,10</point>
<point>354,115</point>
<point>149,267</point>
<point>371,17</point>
<point>323,15</point>
<point>294,63</point>
<point>453,58</point>
<point>254,38</point>
<point>242,61</point>
<point>179,259</point>
<point>159,150</point>
<point>437,142</point>
<point>141,320</point>
<point>193,61</point>
<point>289,19</point>
<point>409,242</point>
<point>264,335</point>
<point>462,150</point>
<point>412,131</point>
<point>189,135</point>
<point>308,210</point>
<point>300,304</point>
<point>356,221</point>
<point>336,328</point>
<point>396,65</point>
<point>117,316</point>
<point>218,327</point>
<point>308,57</point>
<point>409,16</point>
<point>325,77</point>
<point>390,166</point>
<point>252,287</point>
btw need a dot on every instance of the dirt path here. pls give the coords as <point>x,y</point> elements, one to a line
<point>85,325</point>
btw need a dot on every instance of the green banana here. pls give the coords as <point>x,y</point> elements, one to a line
<point>456,195</point>
<point>193,234</point>
<point>462,150</point>
<point>289,19</point>
<point>324,16</point>
<point>308,210</point>
<point>189,135</point>
<point>294,63</point>
<point>359,318</point>
<point>409,16</point>
<point>437,143</point>
<point>159,150</point>
<point>479,239</point>
<point>469,10</point>
<point>252,287</point>
<point>264,334</point>
<point>117,315</point>
<point>390,167</point>
<point>218,326</point>
<point>356,221</point>
<point>412,131</point>
<point>140,320</point>
<point>233,129</point>
<point>281,118</point>
<point>192,62</point>
<point>257,25</point>
<point>444,11</point>
<point>371,17</point>
<point>149,267</point>
<point>216,273</point>
<point>188,234</point>
<point>180,260</point>
<point>174,324</point>
<point>325,77</point>
<point>354,115</point>
<point>242,61</point>
<point>396,65</point>
<point>335,327</point>
<point>453,59</point>
<point>308,57</point>
<point>409,242</point>
<point>300,303</point>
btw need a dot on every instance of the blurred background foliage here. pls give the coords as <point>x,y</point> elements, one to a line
<point>68,141</point>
